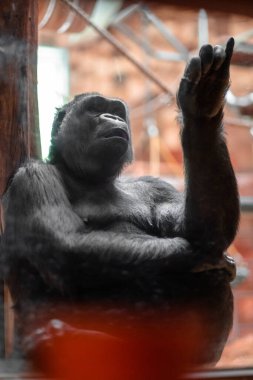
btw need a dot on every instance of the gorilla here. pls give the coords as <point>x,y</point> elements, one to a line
<point>78,233</point>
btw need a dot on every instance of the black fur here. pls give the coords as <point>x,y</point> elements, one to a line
<point>76,231</point>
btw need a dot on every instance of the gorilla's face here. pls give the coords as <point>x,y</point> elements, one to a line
<point>94,138</point>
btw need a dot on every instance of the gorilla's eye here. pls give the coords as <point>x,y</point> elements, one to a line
<point>117,108</point>
<point>119,111</point>
<point>93,112</point>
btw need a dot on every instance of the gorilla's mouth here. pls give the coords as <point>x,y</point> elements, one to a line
<point>116,132</point>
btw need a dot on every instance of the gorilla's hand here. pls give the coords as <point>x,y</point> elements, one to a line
<point>225,263</point>
<point>205,82</point>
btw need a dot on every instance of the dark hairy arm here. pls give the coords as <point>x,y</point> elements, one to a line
<point>207,215</point>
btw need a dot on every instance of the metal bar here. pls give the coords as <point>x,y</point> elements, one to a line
<point>227,373</point>
<point>203,35</point>
<point>160,55</point>
<point>246,204</point>
<point>48,14</point>
<point>126,13</point>
<point>114,42</point>
<point>238,122</point>
<point>169,56</point>
<point>134,38</point>
<point>239,101</point>
<point>166,33</point>
<point>68,22</point>
<point>162,100</point>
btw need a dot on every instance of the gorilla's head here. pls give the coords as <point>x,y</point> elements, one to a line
<point>91,137</point>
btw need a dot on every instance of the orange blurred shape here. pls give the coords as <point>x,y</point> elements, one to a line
<point>140,353</point>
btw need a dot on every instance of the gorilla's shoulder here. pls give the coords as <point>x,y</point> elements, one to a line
<point>33,170</point>
<point>32,177</point>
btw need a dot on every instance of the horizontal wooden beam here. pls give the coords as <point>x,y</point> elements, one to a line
<point>242,7</point>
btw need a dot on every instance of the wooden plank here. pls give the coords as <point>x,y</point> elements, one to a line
<point>18,96</point>
<point>18,100</point>
<point>242,7</point>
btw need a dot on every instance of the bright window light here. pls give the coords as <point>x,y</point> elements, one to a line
<point>53,88</point>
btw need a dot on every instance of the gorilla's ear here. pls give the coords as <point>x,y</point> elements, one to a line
<point>59,116</point>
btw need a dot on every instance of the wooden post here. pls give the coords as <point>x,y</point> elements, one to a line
<point>19,136</point>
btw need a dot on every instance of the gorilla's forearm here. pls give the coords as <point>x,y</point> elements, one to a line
<point>102,255</point>
<point>211,207</point>
<point>97,257</point>
<point>127,250</point>
<point>211,210</point>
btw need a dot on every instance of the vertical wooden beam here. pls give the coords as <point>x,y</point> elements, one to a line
<point>18,84</point>
<point>19,136</point>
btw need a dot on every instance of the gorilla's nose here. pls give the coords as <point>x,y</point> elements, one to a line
<point>109,116</point>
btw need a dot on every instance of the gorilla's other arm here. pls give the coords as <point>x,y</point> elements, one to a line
<point>52,238</point>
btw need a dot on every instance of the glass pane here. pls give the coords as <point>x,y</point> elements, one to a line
<point>156,41</point>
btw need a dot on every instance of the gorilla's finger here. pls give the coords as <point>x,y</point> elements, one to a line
<point>229,52</point>
<point>189,80</point>
<point>192,71</point>
<point>229,49</point>
<point>206,56</point>
<point>219,57</point>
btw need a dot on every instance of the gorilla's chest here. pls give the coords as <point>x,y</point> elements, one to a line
<point>123,210</point>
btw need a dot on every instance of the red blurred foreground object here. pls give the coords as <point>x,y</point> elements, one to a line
<point>140,353</point>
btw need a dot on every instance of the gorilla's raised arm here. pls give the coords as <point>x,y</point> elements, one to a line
<point>209,213</point>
